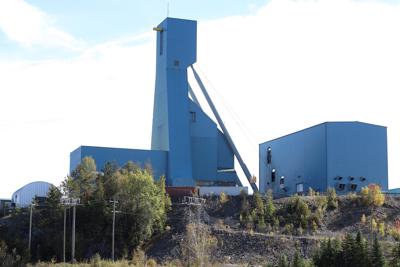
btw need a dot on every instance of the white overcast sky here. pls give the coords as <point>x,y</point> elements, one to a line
<point>274,69</point>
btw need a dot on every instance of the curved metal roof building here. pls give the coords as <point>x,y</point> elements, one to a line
<point>23,196</point>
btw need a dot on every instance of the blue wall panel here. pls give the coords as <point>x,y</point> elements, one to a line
<point>357,152</point>
<point>343,155</point>
<point>156,159</point>
<point>299,157</point>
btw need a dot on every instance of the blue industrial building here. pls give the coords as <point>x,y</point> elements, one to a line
<point>342,155</point>
<point>186,146</point>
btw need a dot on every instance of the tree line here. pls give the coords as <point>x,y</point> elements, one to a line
<point>141,213</point>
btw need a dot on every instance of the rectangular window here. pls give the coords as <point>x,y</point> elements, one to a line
<point>193,116</point>
<point>341,187</point>
<point>273,175</point>
<point>269,156</point>
<point>161,42</point>
<point>300,188</point>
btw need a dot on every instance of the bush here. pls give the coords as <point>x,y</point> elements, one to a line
<point>332,198</point>
<point>372,196</point>
<point>298,212</point>
<point>151,263</point>
<point>223,198</point>
<point>9,259</point>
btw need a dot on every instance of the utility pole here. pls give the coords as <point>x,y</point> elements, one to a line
<point>65,224</point>
<point>30,228</point>
<point>113,230</point>
<point>70,202</point>
<point>73,233</point>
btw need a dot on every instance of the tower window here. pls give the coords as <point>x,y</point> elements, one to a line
<point>282,183</point>
<point>362,179</point>
<point>353,187</point>
<point>269,155</point>
<point>161,42</point>
<point>193,116</point>
<point>340,187</point>
<point>273,175</point>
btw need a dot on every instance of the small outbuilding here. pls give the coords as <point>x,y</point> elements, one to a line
<point>342,155</point>
<point>23,197</point>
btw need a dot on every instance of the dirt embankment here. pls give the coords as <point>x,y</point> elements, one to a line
<point>235,245</point>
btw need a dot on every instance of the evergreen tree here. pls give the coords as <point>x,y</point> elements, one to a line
<point>348,251</point>
<point>361,257</point>
<point>377,258</point>
<point>283,261</point>
<point>395,261</point>
<point>297,260</point>
<point>53,197</point>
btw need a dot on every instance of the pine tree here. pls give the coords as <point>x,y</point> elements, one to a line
<point>377,258</point>
<point>348,251</point>
<point>395,261</point>
<point>297,260</point>
<point>361,257</point>
<point>283,261</point>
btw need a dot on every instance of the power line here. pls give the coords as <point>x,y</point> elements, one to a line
<point>236,118</point>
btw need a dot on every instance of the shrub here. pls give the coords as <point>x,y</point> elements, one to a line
<point>288,229</point>
<point>395,230</point>
<point>374,225</point>
<point>298,211</point>
<point>332,198</point>
<point>314,226</point>
<point>372,196</point>
<point>381,228</point>
<point>9,259</point>
<point>151,263</point>
<point>139,258</point>
<point>223,198</point>
<point>311,192</point>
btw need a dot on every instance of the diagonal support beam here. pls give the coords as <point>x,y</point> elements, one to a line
<point>225,131</point>
<point>193,96</point>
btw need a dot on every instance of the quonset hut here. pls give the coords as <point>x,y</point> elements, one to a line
<point>24,196</point>
<point>186,146</point>
<point>342,155</point>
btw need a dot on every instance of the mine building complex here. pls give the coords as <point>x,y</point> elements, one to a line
<point>341,155</point>
<point>193,150</point>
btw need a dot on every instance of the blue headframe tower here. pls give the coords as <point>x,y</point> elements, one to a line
<point>198,152</point>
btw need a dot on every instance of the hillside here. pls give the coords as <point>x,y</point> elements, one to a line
<point>239,242</point>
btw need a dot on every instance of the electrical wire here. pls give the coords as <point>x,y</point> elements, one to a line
<point>236,118</point>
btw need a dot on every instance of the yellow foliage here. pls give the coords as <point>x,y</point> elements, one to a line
<point>223,198</point>
<point>381,228</point>
<point>374,225</point>
<point>372,195</point>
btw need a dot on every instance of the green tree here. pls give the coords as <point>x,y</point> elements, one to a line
<point>298,259</point>
<point>377,258</point>
<point>298,212</point>
<point>349,245</point>
<point>395,257</point>
<point>53,197</point>
<point>283,261</point>
<point>332,198</point>
<point>329,254</point>
<point>360,252</point>
<point>270,208</point>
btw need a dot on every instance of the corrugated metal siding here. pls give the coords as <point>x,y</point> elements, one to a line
<point>23,196</point>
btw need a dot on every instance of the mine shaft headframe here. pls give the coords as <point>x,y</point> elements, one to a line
<point>250,178</point>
